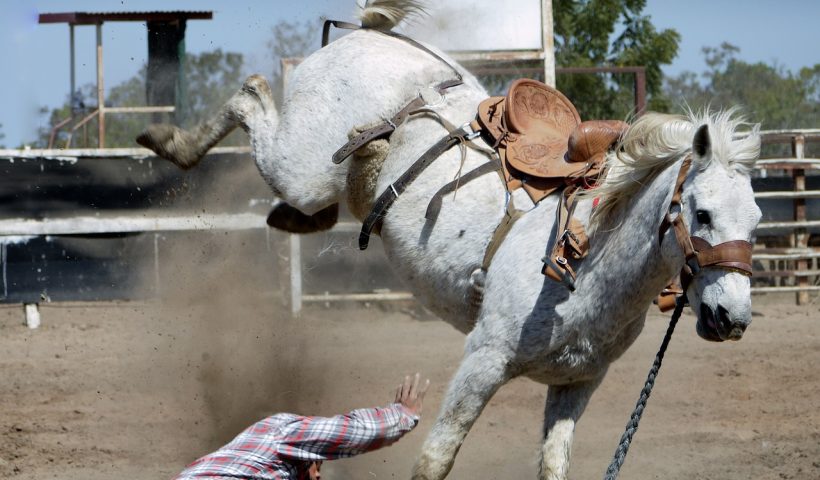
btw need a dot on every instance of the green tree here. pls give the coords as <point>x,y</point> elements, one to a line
<point>592,33</point>
<point>584,31</point>
<point>769,94</point>
<point>2,135</point>
<point>210,79</point>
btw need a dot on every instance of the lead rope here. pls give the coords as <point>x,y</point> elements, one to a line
<point>632,425</point>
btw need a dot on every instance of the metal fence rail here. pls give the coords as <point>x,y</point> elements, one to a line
<point>795,269</point>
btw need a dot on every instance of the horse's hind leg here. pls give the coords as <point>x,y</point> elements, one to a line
<point>251,107</point>
<point>479,376</point>
<point>185,148</point>
<point>565,404</point>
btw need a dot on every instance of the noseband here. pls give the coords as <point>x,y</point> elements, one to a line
<point>734,255</point>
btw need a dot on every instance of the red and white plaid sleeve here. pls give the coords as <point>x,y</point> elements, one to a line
<point>282,446</point>
<point>363,430</point>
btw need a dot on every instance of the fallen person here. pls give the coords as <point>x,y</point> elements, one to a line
<point>288,446</point>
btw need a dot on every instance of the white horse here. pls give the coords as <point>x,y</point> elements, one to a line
<point>527,324</point>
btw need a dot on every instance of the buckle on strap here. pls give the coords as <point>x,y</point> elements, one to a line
<point>468,132</point>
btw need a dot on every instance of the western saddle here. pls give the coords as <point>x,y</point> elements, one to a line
<point>543,147</point>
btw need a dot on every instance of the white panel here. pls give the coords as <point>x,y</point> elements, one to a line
<point>473,25</point>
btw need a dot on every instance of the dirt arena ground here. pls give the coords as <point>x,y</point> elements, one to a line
<point>138,390</point>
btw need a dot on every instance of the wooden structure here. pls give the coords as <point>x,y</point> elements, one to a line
<point>795,268</point>
<point>166,51</point>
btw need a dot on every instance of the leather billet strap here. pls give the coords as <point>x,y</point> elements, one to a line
<point>386,128</point>
<point>571,242</point>
<point>386,199</point>
<point>511,215</point>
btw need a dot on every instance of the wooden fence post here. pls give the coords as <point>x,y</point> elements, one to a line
<point>801,234</point>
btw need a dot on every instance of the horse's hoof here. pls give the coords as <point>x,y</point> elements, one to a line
<point>257,87</point>
<point>289,219</point>
<point>257,84</point>
<point>171,143</point>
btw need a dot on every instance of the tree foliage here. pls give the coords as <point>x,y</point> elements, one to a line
<point>291,40</point>
<point>769,94</point>
<point>592,33</point>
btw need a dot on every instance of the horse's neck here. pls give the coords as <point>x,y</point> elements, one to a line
<point>626,263</point>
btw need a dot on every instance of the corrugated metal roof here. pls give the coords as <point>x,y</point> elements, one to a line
<point>90,18</point>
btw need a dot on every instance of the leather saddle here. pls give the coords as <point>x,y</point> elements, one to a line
<point>543,147</point>
<point>540,139</point>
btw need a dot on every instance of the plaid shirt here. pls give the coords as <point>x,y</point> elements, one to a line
<point>284,445</point>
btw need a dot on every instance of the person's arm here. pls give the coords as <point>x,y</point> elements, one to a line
<point>363,430</point>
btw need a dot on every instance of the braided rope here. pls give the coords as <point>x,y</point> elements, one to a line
<point>632,425</point>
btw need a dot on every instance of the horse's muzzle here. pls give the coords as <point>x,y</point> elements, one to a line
<point>717,326</point>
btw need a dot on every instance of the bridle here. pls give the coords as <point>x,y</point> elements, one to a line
<point>734,255</point>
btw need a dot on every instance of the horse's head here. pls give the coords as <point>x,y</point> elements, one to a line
<point>717,203</point>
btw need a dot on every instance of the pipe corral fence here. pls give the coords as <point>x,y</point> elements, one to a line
<point>787,253</point>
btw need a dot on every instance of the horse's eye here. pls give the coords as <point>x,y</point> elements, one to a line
<point>703,217</point>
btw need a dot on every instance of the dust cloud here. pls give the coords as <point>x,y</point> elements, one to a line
<point>238,353</point>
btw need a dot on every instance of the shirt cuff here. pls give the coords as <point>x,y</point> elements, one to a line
<point>407,413</point>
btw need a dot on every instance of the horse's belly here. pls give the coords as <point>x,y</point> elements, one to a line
<point>569,366</point>
<point>436,256</point>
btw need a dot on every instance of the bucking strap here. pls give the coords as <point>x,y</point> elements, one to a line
<point>337,24</point>
<point>385,129</point>
<point>382,130</point>
<point>386,199</point>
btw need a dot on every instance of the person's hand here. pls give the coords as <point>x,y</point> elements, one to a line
<point>410,394</point>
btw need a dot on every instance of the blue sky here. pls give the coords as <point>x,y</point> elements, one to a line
<point>35,57</point>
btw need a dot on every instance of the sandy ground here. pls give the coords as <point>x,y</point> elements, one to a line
<point>122,390</point>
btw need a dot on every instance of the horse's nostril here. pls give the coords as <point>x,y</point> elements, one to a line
<point>726,322</point>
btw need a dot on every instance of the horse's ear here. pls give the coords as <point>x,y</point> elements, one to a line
<point>702,144</point>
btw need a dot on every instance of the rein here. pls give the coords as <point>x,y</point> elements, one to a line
<point>632,425</point>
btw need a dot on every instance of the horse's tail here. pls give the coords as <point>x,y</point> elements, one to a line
<point>386,14</point>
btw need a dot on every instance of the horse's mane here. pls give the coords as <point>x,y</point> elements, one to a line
<point>656,140</point>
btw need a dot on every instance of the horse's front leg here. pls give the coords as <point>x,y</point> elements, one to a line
<point>479,376</point>
<point>565,404</point>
